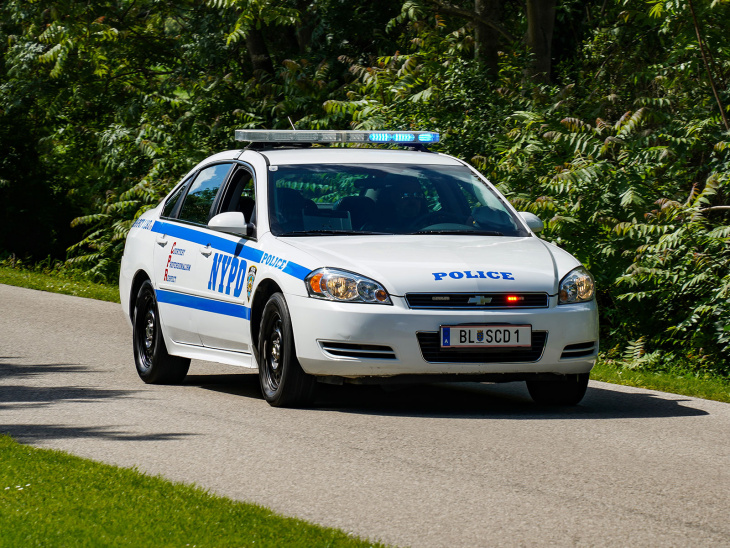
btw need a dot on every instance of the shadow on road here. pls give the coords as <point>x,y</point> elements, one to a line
<point>15,370</point>
<point>32,433</point>
<point>34,396</point>
<point>464,400</point>
<point>18,396</point>
<point>511,401</point>
<point>238,384</point>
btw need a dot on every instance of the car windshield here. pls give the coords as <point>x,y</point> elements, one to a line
<point>309,200</point>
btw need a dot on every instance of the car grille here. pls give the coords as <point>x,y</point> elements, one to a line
<point>479,301</point>
<point>578,350</point>
<point>432,352</point>
<point>359,351</point>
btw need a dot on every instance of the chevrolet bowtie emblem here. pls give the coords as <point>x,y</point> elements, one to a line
<point>480,299</point>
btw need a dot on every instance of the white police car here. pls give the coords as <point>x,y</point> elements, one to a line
<point>337,264</point>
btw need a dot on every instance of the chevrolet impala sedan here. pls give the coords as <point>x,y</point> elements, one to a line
<point>352,264</point>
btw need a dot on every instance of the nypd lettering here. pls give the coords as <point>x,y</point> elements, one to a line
<point>274,261</point>
<point>473,274</point>
<point>227,273</point>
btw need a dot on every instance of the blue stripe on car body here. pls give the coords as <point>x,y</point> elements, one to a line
<point>206,305</point>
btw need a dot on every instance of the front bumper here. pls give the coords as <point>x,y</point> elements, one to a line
<point>362,340</point>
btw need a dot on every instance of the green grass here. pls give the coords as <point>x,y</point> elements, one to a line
<point>51,498</point>
<point>686,383</point>
<point>58,282</point>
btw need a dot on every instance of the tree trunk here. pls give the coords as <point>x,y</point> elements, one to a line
<point>486,39</point>
<point>540,23</point>
<point>258,52</point>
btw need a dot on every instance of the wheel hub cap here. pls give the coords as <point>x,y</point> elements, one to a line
<point>275,350</point>
<point>149,332</point>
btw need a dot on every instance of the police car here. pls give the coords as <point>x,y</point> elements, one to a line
<point>353,264</point>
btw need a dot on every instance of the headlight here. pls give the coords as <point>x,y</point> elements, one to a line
<point>576,287</point>
<point>342,286</point>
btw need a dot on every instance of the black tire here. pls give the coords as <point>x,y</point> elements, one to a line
<point>568,390</point>
<point>154,364</point>
<point>283,382</point>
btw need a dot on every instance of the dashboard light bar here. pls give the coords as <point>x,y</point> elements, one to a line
<point>333,136</point>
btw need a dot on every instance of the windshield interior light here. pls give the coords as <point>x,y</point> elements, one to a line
<point>334,136</point>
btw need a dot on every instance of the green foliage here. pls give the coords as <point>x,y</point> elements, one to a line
<point>106,104</point>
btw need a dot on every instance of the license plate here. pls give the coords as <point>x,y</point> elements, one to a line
<point>486,336</point>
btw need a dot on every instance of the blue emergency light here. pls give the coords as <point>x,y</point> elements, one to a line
<point>407,138</point>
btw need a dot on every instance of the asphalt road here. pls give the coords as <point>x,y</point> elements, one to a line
<point>463,465</point>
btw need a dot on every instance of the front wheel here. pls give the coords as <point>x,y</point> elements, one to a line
<point>568,390</point>
<point>154,364</point>
<point>283,382</point>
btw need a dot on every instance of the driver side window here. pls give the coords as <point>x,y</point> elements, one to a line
<point>241,195</point>
<point>198,203</point>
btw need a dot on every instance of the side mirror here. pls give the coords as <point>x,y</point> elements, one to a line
<point>532,220</point>
<point>232,222</point>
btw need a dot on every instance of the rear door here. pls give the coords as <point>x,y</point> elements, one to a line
<point>180,250</point>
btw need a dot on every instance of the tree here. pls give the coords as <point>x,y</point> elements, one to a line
<point>486,37</point>
<point>539,38</point>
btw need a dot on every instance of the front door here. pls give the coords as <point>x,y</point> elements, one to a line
<point>225,272</point>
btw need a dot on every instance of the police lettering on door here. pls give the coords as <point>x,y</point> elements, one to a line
<point>226,273</point>
<point>274,261</point>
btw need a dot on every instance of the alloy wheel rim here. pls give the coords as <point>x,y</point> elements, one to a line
<point>147,334</point>
<point>274,354</point>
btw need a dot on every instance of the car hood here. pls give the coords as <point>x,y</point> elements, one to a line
<point>436,263</point>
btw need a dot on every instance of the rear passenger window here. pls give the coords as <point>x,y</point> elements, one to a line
<point>198,202</point>
<point>170,204</point>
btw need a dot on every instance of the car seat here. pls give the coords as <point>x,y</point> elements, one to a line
<point>247,205</point>
<point>290,207</point>
<point>361,209</point>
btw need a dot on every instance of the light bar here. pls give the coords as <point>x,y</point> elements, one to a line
<point>408,138</point>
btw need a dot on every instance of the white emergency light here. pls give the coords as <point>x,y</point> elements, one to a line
<point>408,138</point>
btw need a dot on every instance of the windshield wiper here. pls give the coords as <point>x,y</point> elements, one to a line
<point>454,231</point>
<point>319,232</point>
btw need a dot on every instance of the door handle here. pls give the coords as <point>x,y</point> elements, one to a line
<point>207,250</point>
<point>162,240</point>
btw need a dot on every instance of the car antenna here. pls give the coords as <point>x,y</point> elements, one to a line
<point>292,123</point>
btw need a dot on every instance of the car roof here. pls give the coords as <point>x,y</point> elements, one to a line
<point>353,155</point>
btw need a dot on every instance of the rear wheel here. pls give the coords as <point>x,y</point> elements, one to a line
<point>283,382</point>
<point>154,364</point>
<point>567,390</point>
